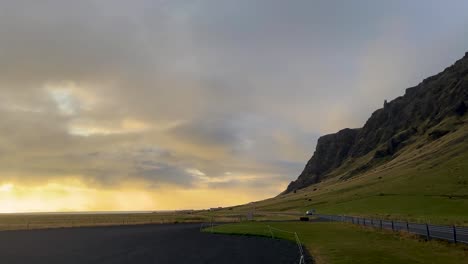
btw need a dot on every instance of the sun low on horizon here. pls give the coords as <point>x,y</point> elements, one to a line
<point>168,105</point>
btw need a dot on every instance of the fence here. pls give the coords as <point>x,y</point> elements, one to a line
<point>208,226</point>
<point>450,233</point>
<point>296,237</point>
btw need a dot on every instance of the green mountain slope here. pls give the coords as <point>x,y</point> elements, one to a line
<point>409,161</point>
<point>431,110</point>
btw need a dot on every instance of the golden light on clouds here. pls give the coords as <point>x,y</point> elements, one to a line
<point>7,187</point>
<point>89,128</point>
<point>192,109</point>
<point>71,195</point>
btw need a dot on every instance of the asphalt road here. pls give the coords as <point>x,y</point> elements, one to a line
<point>177,243</point>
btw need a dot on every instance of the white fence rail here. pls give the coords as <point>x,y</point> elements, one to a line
<point>296,237</point>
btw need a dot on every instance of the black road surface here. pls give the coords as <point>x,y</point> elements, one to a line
<point>177,243</point>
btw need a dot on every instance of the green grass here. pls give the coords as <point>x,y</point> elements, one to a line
<point>40,221</point>
<point>345,243</point>
<point>426,182</point>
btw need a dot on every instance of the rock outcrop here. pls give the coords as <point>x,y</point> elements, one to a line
<point>392,127</point>
<point>330,152</point>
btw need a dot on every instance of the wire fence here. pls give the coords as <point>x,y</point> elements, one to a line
<point>208,225</point>
<point>449,233</point>
<point>272,231</point>
<point>296,238</point>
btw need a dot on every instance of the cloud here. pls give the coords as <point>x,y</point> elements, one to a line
<point>193,95</point>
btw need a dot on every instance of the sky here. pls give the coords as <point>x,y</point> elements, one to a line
<point>187,104</point>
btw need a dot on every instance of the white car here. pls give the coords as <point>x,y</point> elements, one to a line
<point>310,212</point>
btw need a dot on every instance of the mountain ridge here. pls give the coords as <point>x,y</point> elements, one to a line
<point>420,112</point>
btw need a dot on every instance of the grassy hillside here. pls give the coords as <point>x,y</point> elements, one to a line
<point>425,181</point>
<point>344,243</point>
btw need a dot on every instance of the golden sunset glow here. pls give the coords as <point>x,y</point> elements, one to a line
<point>160,105</point>
<point>72,195</point>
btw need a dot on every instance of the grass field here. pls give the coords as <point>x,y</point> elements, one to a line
<point>344,243</point>
<point>38,221</point>
<point>427,182</point>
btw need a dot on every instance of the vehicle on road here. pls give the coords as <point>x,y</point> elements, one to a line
<point>310,212</point>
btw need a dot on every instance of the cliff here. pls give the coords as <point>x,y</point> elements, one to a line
<point>418,113</point>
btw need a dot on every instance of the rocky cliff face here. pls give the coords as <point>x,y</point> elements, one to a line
<point>330,152</point>
<point>393,127</point>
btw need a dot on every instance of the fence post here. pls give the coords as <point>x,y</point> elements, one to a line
<point>372,222</point>
<point>271,232</point>
<point>454,234</point>
<point>427,231</point>
<point>381,226</point>
<point>301,260</point>
<point>352,219</point>
<point>407,226</point>
<point>211,224</point>
<point>364,221</point>
<point>393,226</point>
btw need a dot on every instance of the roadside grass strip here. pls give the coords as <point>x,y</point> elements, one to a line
<point>332,242</point>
